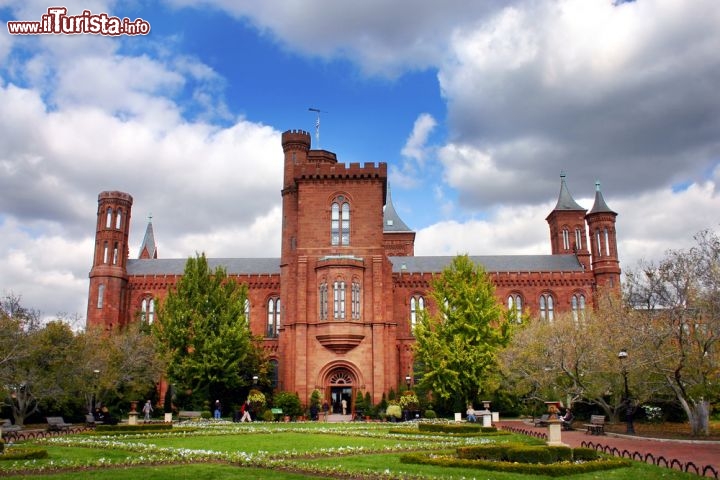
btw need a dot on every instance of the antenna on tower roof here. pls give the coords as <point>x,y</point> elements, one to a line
<point>317,124</point>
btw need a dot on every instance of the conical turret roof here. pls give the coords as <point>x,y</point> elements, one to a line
<point>148,243</point>
<point>565,200</point>
<point>391,220</point>
<point>599,206</point>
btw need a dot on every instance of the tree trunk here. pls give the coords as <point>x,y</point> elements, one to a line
<point>698,413</point>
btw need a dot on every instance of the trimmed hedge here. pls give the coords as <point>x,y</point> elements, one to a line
<point>142,427</point>
<point>24,453</point>
<point>455,428</point>
<point>552,469</point>
<point>518,452</point>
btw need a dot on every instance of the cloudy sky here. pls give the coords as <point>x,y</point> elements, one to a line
<point>476,107</point>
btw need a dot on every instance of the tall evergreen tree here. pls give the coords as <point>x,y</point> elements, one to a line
<point>457,341</point>
<point>202,331</point>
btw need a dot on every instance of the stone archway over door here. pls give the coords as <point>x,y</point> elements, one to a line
<point>339,387</point>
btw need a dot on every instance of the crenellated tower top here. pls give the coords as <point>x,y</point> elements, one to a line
<point>296,140</point>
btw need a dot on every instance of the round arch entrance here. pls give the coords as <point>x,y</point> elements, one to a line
<point>340,384</point>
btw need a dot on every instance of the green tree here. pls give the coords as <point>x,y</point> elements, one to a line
<point>457,342</point>
<point>204,336</point>
<point>676,306</point>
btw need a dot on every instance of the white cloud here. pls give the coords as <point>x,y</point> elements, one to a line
<point>416,145</point>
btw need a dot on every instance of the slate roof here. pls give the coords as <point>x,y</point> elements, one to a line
<point>176,266</point>
<point>271,266</point>
<point>391,220</point>
<point>565,200</point>
<point>492,263</point>
<point>599,206</point>
<point>149,242</point>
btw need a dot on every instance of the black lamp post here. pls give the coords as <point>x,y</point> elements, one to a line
<point>408,380</point>
<point>627,403</point>
<point>255,379</point>
<point>93,405</point>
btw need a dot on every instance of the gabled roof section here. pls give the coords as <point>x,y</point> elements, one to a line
<point>565,200</point>
<point>491,263</point>
<point>233,266</point>
<point>148,249</point>
<point>391,220</point>
<point>599,206</point>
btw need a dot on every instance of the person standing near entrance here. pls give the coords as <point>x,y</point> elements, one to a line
<point>344,406</point>
<point>325,408</point>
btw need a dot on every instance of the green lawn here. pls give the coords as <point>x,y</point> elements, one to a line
<point>275,451</point>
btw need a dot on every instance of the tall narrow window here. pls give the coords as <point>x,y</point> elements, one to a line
<point>323,297</point>
<point>275,372</point>
<point>566,239</point>
<point>339,300</point>
<point>515,306</point>
<point>417,305</point>
<point>607,242</point>
<point>115,253</point>
<point>273,323</point>
<point>578,306</point>
<point>118,219</point>
<point>355,300</point>
<point>105,252</point>
<point>578,239</point>
<point>108,218</point>
<point>247,311</point>
<point>599,245</point>
<point>151,311</point>
<point>547,310</point>
<point>101,296</point>
<point>340,222</point>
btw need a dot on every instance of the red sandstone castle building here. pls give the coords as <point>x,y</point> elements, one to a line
<point>337,309</point>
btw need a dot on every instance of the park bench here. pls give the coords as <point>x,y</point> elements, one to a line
<point>91,421</point>
<point>57,424</point>
<point>543,420</point>
<point>189,415</point>
<point>596,425</point>
<point>7,429</point>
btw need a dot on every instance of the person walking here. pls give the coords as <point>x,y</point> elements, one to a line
<point>245,409</point>
<point>218,410</point>
<point>147,410</point>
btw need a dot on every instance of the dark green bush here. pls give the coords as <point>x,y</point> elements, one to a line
<point>24,453</point>
<point>455,428</point>
<point>529,454</point>
<point>206,414</point>
<point>560,454</point>
<point>492,451</point>
<point>585,454</point>
<point>430,414</point>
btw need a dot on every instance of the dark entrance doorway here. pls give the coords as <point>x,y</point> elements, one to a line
<point>337,395</point>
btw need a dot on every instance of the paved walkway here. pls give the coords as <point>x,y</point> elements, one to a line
<point>701,453</point>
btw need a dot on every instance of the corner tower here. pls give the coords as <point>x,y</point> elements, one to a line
<point>603,237</point>
<point>108,276</point>
<point>568,234</point>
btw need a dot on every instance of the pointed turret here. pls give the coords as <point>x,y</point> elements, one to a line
<point>398,238</point>
<point>567,226</point>
<point>148,249</point>
<point>601,222</point>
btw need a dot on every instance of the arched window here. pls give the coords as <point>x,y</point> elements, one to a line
<point>147,310</point>
<point>547,309</point>
<point>247,311</point>
<point>340,222</point>
<point>339,300</point>
<point>599,244</point>
<point>578,239</point>
<point>578,306</point>
<point>417,305</point>
<point>355,301</point>
<point>323,299</point>
<point>115,253</point>
<point>108,218</point>
<point>274,373</point>
<point>566,239</point>
<point>515,305</point>
<point>273,323</point>
<point>101,295</point>
<point>607,242</point>
<point>118,219</point>
<point>105,253</point>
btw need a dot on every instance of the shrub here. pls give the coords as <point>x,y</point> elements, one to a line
<point>585,454</point>
<point>2,445</point>
<point>24,453</point>
<point>409,401</point>
<point>455,428</point>
<point>256,399</point>
<point>529,454</point>
<point>289,403</point>
<point>124,428</point>
<point>206,414</point>
<point>394,411</point>
<point>267,416</point>
<point>430,414</point>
